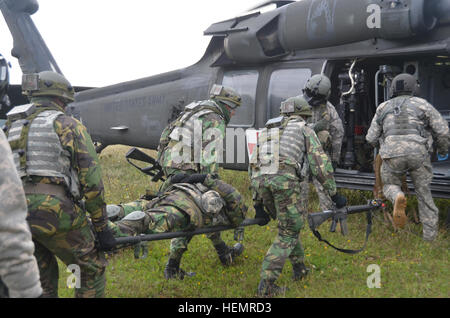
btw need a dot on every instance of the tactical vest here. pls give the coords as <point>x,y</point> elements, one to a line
<point>187,119</point>
<point>37,150</point>
<point>287,141</point>
<point>401,123</point>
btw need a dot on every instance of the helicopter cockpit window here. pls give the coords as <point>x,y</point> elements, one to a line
<point>244,82</point>
<point>283,84</point>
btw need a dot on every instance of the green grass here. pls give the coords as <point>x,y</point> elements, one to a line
<point>409,266</point>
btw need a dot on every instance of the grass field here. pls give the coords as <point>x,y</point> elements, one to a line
<point>409,267</point>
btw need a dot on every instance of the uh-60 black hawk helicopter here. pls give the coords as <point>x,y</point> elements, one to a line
<point>267,57</point>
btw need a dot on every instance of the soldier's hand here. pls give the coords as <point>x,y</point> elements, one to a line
<point>339,200</point>
<point>261,214</point>
<point>106,240</point>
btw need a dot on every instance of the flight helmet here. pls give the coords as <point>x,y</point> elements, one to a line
<point>47,83</point>
<point>317,90</point>
<point>404,84</point>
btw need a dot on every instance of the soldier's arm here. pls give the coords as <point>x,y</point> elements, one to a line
<point>374,132</point>
<point>75,139</point>
<point>235,206</point>
<point>336,132</point>
<point>213,135</point>
<point>18,266</point>
<point>319,163</point>
<point>440,130</point>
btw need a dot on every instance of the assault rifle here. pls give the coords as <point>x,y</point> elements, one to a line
<point>340,215</point>
<point>154,170</point>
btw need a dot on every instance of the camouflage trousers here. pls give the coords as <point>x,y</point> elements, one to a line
<point>60,229</point>
<point>178,246</point>
<point>172,221</point>
<point>421,173</point>
<point>325,202</point>
<point>280,196</point>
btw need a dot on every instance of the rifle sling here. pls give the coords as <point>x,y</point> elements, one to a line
<point>349,251</point>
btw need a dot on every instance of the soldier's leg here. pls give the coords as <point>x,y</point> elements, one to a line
<point>48,270</point>
<point>286,243</point>
<point>428,212</point>
<point>392,172</point>
<point>304,195</point>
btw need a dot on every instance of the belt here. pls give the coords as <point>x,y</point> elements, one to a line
<point>44,188</point>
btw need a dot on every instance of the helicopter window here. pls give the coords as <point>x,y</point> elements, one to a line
<point>283,84</point>
<point>244,82</point>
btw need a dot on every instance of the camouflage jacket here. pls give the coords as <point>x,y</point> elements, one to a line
<point>421,117</point>
<point>204,157</point>
<point>326,118</point>
<point>18,266</point>
<point>316,162</point>
<point>233,214</point>
<point>77,142</point>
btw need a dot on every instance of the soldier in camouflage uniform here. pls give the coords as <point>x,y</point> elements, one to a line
<point>287,148</point>
<point>193,143</point>
<point>56,159</point>
<point>327,124</point>
<point>18,266</point>
<point>401,128</point>
<point>198,201</point>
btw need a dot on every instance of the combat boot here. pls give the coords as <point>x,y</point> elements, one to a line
<point>173,270</point>
<point>268,288</point>
<point>400,217</point>
<point>228,254</point>
<point>300,271</point>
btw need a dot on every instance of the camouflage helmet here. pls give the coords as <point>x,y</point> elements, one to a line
<point>212,202</point>
<point>226,95</point>
<point>317,90</point>
<point>47,83</point>
<point>296,106</point>
<point>404,84</point>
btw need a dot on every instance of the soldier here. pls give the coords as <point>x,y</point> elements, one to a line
<point>287,148</point>
<point>59,167</point>
<point>401,128</point>
<point>198,201</point>
<point>193,143</point>
<point>327,124</point>
<point>18,266</point>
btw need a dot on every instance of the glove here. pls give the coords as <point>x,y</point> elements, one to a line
<point>442,157</point>
<point>106,240</point>
<point>339,200</point>
<point>196,178</point>
<point>261,214</point>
